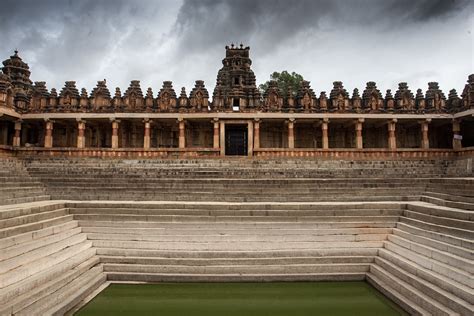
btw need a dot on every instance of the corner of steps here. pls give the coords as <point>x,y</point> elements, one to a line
<point>68,296</point>
<point>404,291</point>
<point>405,303</point>
<point>44,290</point>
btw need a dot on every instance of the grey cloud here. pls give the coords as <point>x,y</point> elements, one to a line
<point>425,10</point>
<point>271,22</point>
<point>154,41</point>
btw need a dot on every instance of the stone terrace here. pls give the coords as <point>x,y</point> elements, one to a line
<point>405,226</point>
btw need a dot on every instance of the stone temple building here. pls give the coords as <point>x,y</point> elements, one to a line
<point>238,120</point>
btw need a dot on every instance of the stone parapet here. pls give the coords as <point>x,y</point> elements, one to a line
<point>119,153</point>
<point>346,154</point>
<point>361,154</point>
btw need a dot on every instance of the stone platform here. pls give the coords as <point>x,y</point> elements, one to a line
<point>399,225</point>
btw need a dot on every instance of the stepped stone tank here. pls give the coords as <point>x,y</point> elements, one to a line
<point>243,188</point>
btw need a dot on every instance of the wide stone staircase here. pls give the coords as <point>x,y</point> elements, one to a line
<point>238,180</point>
<point>428,260</point>
<point>236,242</point>
<point>47,265</point>
<point>410,235</point>
<point>17,185</point>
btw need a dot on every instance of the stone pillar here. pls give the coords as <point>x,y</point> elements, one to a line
<point>215,143</point>
<point>250,138</point>
<point>222,137</point>
<point>425,140</point>
<point>457,137</point>
<point>17,136</point>
<point>182,133</point>
<point>115,134</point>
<point>81,138</point>
<point>358,127</point>
<point>48,137</point>
<point>291,133</point>
<point>392,138</point>
<point>256,133</point>
<point>324,128</point>
<point>146,135</point>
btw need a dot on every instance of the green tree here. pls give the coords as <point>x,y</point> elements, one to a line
<point>285,81</point>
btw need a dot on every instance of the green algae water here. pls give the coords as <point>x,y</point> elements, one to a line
<point>241,299</point>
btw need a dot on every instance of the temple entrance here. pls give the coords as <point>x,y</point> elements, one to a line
<point>236,137</point>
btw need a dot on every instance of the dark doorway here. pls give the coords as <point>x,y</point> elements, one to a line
<point>236,140</point>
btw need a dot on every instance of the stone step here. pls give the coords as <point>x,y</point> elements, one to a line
<point>441,211</point>
<point>223,180</point>
<point>228,182</point>
<point>19,193</point>
<point>46,289</point>
<point>25,200</point>
<point>228,231</point>
<point>389,291</point>
<point>17,179</point>
<point>456,232</point>
<point>434,254</point>
<point>410,293</point>
<point>29,237</point>
<point>32,218</point>
<point>170,205</point>
<point>4,191</point>
<point>28,209</point>
<point>21,184</point>
<point>448,271</point>
<point>240,225</point>
<point>24,271</point>
<point>447,203</point>
<point>447,284</point>
<point>244,246</point>
<point>240,269</point>
<point>369,169</point>
<point>235,238</point>
<point>450,197</point>
<point>190,218</point>
<point>434,243</point>
<point>468,192</point>
<point>439,236</point>
<point>254,190</point>
<point>184,277</point>
<point>247,261</point>
<point>52,272</point>
<point>212,197</point>
<point>438,220</point>
<point>356,165</point>
<point>234,254</point>
<point>68,296</point>
<point>21,229</point>
<point>145,188</point>
<point>439,295</point>
<point>237,213</point>
<point>40,243</point>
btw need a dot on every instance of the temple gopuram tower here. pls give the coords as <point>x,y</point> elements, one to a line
<point>236,88</point>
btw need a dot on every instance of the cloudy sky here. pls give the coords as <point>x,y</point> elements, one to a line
<point>354,41</point>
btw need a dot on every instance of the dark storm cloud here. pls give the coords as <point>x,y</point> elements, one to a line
<point>204,23</point>
<point>88,40</point>
<point>71,39</point>
<point>425,10</point>
<point>220,21</point>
